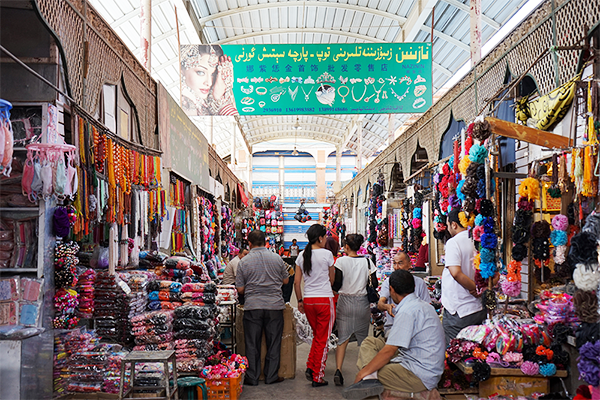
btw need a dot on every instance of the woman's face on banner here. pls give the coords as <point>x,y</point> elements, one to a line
<point>200,77</point>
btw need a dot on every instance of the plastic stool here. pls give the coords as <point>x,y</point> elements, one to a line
<point>192,385</point>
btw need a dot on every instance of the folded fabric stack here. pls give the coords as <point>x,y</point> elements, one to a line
<point>152,328</point>
<point>194,330</point>
<point>199,294</point>
<point>85,288</point>
<point>176,269</point>
<point>152,259</point>
<point>137,282</point>
<point>163,295</point>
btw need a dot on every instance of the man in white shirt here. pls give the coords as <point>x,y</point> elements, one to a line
<point>294,248</point>
<point>400,261</point>
<point>231,269</point>
<point>462,307</point>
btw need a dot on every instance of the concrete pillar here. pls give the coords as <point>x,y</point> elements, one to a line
<point>360,150</point>
<point>338,164</point>
<point>233,143</point>
<point>321,185</point>
<point>475,31</point>
<point>146,33</point>
<point>281,178</point>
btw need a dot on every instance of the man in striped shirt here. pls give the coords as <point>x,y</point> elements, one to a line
<point>412,359</point>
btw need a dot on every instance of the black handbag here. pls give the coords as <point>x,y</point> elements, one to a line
<point>372,294</point>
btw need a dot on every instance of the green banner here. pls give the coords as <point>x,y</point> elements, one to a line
<point>295,79</point>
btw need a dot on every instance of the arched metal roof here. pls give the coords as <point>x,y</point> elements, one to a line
<point>309,21</point>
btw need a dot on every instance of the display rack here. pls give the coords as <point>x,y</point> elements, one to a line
<point>231,342</point>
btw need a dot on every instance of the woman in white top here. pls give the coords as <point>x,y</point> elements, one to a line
<point>353,309</point>
<point>315,266</point>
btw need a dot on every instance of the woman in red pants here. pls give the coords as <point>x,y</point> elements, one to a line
<point>315,266</point>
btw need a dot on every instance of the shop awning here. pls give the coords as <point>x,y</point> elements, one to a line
<point>527,134</point>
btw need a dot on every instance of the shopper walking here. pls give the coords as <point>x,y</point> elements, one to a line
<point>353,312</point>
<point>315,266</point>
<point>259,278</point>
<point>461,306</point>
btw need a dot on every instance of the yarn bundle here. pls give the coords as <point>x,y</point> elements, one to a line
<point>153,330</point>
<point>194,331</point>
<point>199,294</point>
<point>164,295</point>
<point>177,269</point>
<point>85,289</point>
<point>110,308</point>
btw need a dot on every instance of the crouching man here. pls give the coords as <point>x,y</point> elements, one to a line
<point>412,359</point>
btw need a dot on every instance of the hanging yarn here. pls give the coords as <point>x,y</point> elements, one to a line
<point>519,252</point>
<point>560,252</point>
<point>463,165</point>
<point>520,234</point>
<point>586,306</point>
<point>530,189</point>
<point>523,218</point>
<point>558,238</point>
<point>479,219</point>
<point>587,332</point>
<point>512,289</point>
<point>587,188</point>
<point>478,153</point>
<point>560,222</point>
<point>482,130</point>
<point>487,270</point>
<point>489,240</point>
<point>540,229</point>
<point>586,278</point>
<point>464,221</point>
<point>540,249</point>
<point>477,232</point>
<point>486,208</point>
<point>589,363</point>
<point>481,188</point>
<point>469,187</point>
<point>583,249</point>
<point>417,213</point>
<point>592,225</point>
<point>487,255</point>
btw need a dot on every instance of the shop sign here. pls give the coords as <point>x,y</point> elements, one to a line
<point>184,147</point>
<point>300,79</point>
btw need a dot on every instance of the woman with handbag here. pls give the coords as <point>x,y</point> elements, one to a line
<point>356,282</point>
<point>314,265</point>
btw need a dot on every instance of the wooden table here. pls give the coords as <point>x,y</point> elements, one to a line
<point>512,381</point>
<point>163,357</point>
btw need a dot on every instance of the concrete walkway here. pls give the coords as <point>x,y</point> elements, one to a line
<point>301,389</point>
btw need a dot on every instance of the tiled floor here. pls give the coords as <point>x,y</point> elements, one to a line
<point>301,389</point>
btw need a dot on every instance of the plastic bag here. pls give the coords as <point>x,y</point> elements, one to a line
<point>100,258</point>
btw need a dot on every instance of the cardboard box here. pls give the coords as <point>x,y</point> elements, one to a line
<point>513,385</point>
<point>287,358</point>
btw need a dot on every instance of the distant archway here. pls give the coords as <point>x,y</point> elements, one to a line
<point>419,159</point>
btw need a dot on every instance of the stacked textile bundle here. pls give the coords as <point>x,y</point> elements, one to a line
<point>65,344</point>
<point>194,328</point>
<point>85,288</point>
<point>153,330</point>
<point>226,293</point>
<point>163,295</point>
<point>199,294</point>
<point>152,259</point>
<point>137,282</point>
<point>111,309</point>
<point>176,269</point>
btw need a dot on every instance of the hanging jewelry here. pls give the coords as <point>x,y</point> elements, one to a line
<point>361,97</point>
<point>293,93</point>
<point>306,95</point>
<point>342,95</point>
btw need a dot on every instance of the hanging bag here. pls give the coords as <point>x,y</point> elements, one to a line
<point>372,294</point>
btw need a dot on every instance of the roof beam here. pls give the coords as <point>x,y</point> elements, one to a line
<point>446,38</point>
<point>255,119</point>
<point>350,131</point>
<point>279,31</point>
<point>136,11</point>
<point>415,20</point>
<point>313,3</point>
<point>166,65</point>
<point>283,134</point>
<point>467,9</point>
<point>443,70</point>
<point>301,124</point>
